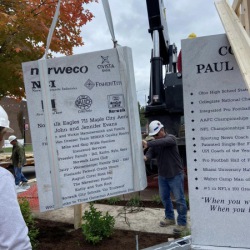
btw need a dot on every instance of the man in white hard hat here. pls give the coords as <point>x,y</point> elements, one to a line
<point>170,174</point>
<point>13,230</point>
<point>18,161</point>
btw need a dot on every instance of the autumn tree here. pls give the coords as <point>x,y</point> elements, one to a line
<point>24,26</point>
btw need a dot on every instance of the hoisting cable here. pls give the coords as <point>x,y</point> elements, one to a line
<point>107,12</point>
<point>49,123</point>
<point>126,78</point>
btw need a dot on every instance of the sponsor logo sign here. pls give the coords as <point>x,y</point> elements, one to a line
<point>86,114</point>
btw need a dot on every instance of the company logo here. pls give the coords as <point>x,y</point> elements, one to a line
<point>89,84</point>
<point>83,102</point>
<point>53,106</point>
<point>63,70</point>
<point>106,66</point>
<point>105,59</point>
<point>116,103</point>
<point>36,86</point>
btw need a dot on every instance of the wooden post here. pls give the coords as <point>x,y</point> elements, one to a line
<point>242,10</point>
<point>246,15</point>
<point>236,5</point>
<point>77,216</point>
<point>237,36</point>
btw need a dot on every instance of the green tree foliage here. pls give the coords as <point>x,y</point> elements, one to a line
<point>143,120</point>
<point>24,26</point>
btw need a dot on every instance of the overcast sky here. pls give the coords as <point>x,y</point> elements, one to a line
<point>130,22</point>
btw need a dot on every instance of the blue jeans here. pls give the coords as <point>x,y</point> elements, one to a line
<point>19,175</point>
<point>174,185</point>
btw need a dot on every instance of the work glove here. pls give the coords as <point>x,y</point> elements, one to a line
<point>144,144</point>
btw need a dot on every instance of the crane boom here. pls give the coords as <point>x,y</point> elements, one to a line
<point>158,29</point>
<point>165,95</point>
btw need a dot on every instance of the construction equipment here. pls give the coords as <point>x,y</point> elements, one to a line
<point>165,95</point>
<point>165,100</point>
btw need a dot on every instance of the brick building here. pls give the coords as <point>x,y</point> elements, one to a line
<point>18,116</point>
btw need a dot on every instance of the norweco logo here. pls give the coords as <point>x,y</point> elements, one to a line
<point>106,66</point>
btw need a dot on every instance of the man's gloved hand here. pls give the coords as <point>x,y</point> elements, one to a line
<point>144,144</point>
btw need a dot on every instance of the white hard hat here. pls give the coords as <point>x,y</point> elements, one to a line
<point>12,138</point>
<point>4,120</point>
<point>154,127</point>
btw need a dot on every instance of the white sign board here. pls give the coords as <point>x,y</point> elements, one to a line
<point>217,126</point>
<point>95,127</point>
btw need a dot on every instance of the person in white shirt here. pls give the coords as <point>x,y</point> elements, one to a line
<point>13,229</point>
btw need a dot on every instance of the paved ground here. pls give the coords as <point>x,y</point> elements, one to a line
<point>144,219</point>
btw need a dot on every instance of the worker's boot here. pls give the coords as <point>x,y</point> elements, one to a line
<point>167,222</point>
<point>180,229</point>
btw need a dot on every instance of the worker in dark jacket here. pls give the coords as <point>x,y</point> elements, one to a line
<point>170,174</point>
<point>18,161</point>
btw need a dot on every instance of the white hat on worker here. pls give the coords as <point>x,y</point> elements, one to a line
<point>155,127</point>
<point>12,138</point>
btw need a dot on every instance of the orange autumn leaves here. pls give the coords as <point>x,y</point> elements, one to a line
<point>24,27</point>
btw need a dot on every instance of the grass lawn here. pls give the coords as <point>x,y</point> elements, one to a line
<point>28,149</point>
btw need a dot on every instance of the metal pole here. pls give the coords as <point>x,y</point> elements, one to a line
<point>156,43</point>
<point>137,242</point>
<point>24,130</point>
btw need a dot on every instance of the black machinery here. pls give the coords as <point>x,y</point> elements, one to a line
<point>165,100</point>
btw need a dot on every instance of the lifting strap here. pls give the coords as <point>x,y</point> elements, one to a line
<point>107,12</point>
<point>49,124</point>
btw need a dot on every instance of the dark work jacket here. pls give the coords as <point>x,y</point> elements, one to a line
<point>18,155</point>
<point>167,154</point>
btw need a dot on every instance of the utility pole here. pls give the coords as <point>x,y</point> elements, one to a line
<point>24,131</point>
